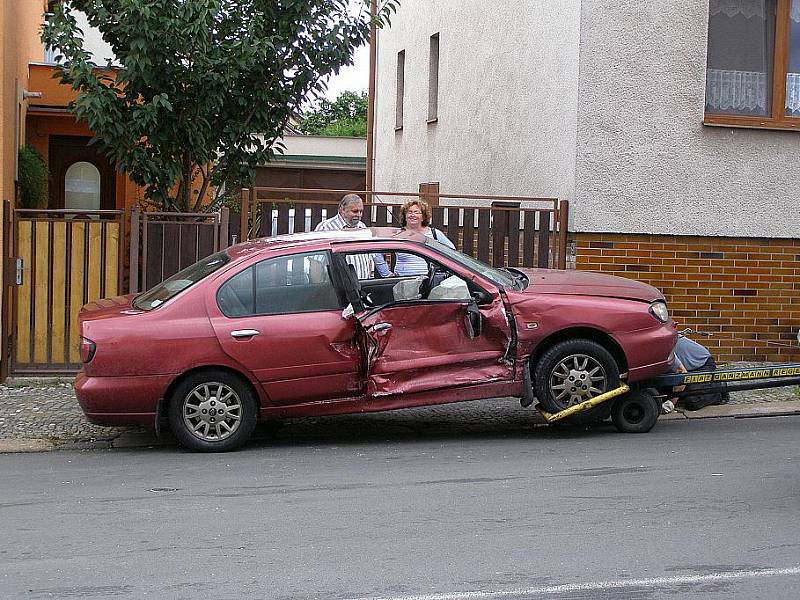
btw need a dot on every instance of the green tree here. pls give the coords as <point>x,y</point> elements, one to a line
<point>204,87</point>
<point>345,116</point>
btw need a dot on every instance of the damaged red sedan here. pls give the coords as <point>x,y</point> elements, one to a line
<point>283,327</point>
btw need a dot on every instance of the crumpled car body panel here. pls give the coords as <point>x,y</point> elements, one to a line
<point>426,346</point>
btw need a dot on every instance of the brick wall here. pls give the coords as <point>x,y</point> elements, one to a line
<point>746,291</point>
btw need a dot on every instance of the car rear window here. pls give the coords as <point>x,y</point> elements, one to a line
<point>180,281</point>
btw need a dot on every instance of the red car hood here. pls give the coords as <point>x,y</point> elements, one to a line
<point>108,307</point>
<point>585,283</point>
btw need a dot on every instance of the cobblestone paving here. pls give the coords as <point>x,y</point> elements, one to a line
<point>47,409</point>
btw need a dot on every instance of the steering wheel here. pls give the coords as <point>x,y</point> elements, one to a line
<point>427,284</point>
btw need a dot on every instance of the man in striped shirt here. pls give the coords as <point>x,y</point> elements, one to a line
<point>349,217</point>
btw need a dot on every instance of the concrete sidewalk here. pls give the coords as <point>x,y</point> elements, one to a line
<point>38,414</point>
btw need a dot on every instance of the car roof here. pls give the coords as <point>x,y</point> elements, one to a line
<point>320,239</point>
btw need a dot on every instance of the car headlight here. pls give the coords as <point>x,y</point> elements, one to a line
<point>659,310</point>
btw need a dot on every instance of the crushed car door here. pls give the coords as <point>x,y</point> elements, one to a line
<point>427,345</point>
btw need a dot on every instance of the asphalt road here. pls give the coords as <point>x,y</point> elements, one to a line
<point>695,509</point>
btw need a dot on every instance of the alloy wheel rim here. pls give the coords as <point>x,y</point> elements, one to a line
<point>577,378</point>
<point>212,411</point>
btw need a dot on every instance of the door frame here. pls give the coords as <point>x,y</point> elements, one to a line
<point>66,150</point>
<point>493,314</point>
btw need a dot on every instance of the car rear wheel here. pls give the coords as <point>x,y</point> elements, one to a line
<point>572,372</point>
<point>212,411</point>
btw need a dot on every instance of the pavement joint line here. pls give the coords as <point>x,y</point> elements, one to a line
<point>609,585</point>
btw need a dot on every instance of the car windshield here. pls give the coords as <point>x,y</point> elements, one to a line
<point>500,277</point>
<point>180,281</point>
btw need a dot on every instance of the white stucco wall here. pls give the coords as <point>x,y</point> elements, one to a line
<point>645,162</point>
<point>319,145</point>
<point>507,98</point>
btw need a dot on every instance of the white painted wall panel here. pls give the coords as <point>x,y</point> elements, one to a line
<point>508,83</point>
<point>645,162</point>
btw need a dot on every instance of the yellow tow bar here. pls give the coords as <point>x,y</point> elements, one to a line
<point>576,408</point>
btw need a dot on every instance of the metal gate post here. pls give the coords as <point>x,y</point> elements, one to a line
<point>244,223</point>
<point>223,234</point>
<point>563,221</point>
<point>133,266</point>
<point>6,333</point>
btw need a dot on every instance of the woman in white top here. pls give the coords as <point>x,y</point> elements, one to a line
<point>415,215</point>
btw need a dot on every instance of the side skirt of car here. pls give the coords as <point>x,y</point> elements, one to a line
<point>355,405</point>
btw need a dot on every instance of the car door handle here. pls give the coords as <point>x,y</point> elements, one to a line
<point>244,333</point>
<point>380,327</point>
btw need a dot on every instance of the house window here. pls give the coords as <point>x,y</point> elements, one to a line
<point>82,187</point>
<point>433,79</point>
<point>401,85</point>
<point>753,71</point>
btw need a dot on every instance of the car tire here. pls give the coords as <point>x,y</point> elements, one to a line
<point>212,411</point>
<point>635,412</point>
<point>593,371</point>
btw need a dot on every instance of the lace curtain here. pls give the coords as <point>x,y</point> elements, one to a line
<point>749,8</point>
<point>736,91</point>
<point>746,92</point>
<point>793,92</point>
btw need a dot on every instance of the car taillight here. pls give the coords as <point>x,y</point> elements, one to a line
<point>87,349</point>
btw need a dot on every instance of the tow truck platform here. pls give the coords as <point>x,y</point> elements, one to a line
<point>636,409</point>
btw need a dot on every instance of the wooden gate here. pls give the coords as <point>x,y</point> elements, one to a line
<point>68,258</point>
<point>163,243</point>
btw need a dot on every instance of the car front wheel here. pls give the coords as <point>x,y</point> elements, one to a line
<point>572,372</point>
<point>212,411</point>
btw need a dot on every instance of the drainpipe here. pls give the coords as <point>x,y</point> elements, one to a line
<point>373,54</point>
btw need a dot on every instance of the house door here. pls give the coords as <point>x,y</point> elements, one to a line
<point>81,178</point>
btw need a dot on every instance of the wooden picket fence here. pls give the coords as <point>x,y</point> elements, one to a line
<point>511,231</point>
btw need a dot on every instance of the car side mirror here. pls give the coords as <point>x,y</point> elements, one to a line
<point>480,297</point>
<point>473,321</point>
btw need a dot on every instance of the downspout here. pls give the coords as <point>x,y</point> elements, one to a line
<point>373,54</point>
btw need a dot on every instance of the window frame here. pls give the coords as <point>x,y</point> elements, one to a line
<point>254,265</point>
<point>472,286</point>
<point>777,119</point>
<point>433,79</point>
<point>400,90</point>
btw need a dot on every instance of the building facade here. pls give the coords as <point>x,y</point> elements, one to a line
<point>34,110</point>
<point>19,45</point>
<point>670,128</point>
